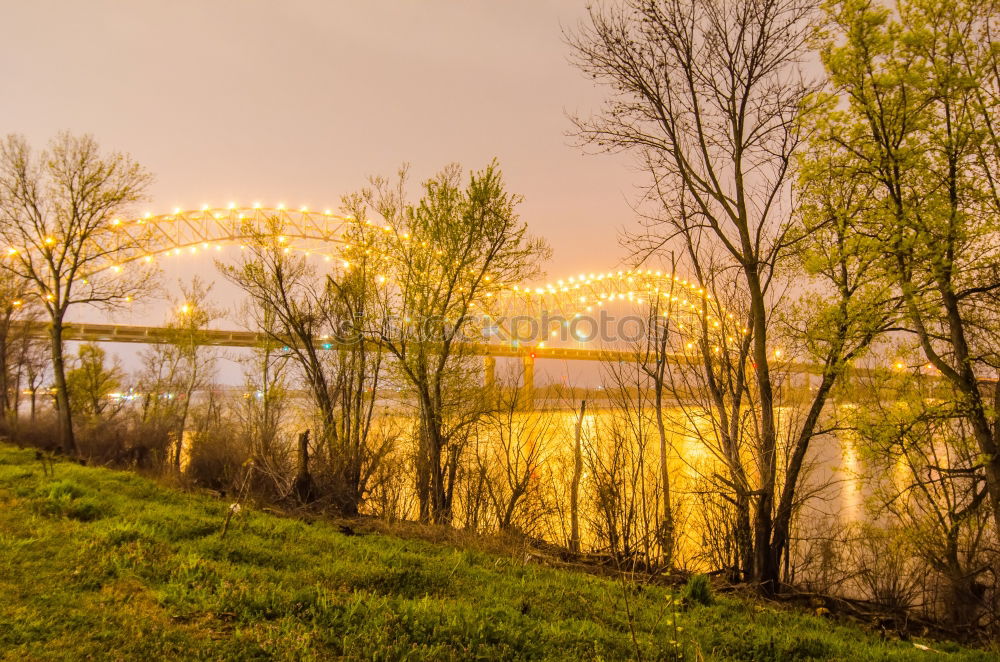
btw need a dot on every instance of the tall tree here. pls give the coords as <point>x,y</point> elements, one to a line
<point>59,219</point>
<point>709,95</point>
<point>917,86</point>
<point>444,257</point>
<point>190,318</point>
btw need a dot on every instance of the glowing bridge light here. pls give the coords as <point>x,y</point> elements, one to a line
<point>568,296</point>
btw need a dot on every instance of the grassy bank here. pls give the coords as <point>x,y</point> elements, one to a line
<point>108,565</point>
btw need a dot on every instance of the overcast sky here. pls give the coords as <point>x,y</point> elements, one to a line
<point>299,101</point>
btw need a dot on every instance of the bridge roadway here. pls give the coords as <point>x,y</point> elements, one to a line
<point>153,335</point>
<point>527,354</point>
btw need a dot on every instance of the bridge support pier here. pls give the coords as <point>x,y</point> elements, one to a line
<point>528,381</point>
<point>490,372</point>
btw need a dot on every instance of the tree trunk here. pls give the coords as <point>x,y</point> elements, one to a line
<point>438,506</point>
<point>783,515</point>
<point>182,423</point>
<point>765,572</point>
<point>4,368</point>
<point>574,495</point>
<point>437,474</point>
<point>66,439</point>
<point>667,516</point>
<point>983,432</point>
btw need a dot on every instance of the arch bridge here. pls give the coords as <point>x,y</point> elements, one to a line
<point>319,235</point>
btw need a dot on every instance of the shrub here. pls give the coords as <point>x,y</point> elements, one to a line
<point>67,499</point>
<point>216,458</point>
<point>42,433</point>
<point>698,591</point>
<point>85,510</point>
<point>64,489</point>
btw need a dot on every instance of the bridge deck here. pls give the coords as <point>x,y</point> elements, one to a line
<point>152,335</point>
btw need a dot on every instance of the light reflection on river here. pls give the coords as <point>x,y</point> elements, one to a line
<point>834,474</point>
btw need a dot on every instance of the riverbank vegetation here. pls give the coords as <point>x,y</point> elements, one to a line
<point>149,573</point>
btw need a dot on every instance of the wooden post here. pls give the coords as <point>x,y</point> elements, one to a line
<point>303,485</point>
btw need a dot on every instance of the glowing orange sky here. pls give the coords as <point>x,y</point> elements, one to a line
<point>298,102</point>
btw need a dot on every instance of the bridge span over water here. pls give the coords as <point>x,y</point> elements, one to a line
<point>323,237</point>
<point>152,335</point>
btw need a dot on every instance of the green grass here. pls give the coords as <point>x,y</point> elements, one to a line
<point>103,564</point>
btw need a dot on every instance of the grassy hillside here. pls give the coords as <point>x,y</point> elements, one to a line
<point>108,565</point>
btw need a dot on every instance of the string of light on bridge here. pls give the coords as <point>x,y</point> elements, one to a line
<point>572,295</point>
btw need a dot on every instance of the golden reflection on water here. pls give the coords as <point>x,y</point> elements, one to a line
<point>850,492</point>
<point>836,472</point>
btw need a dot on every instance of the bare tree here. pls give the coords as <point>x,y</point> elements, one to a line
<point>59,218</point>
<point>623,494</point>
<point>190,318</point>
<point>263,413</point>
<point>266,399</point>
<point>314,319</point>
<point>514,445</point>
<point>709,94</point>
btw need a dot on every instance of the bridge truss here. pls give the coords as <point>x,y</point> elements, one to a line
<point>320,235</point>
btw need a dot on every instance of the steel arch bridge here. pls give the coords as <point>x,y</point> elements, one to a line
<point>320,235</point>
<point>190,231</point>
<point>317,235</point>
